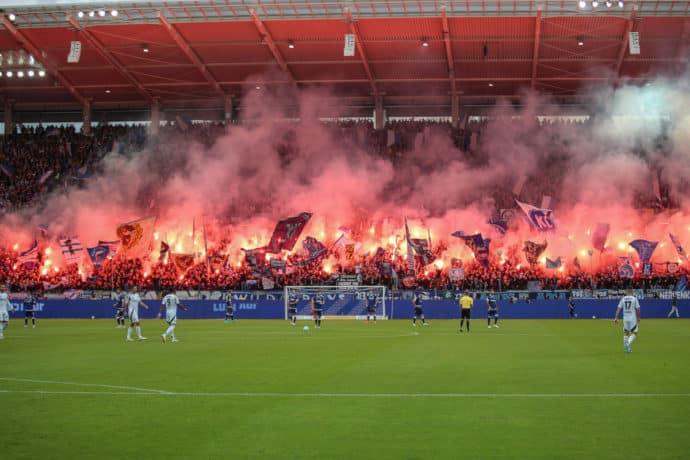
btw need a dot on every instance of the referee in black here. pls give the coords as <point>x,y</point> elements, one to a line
<point>466,302</point>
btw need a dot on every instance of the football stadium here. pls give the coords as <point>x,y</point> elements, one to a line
<point>296,229</point>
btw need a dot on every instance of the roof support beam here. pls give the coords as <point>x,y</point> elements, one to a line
<point>263,31</point>
<point>189,52</point>
<point>455,107</point>
<point>624,44</point>
<point>93,41</point>
<point>360,49</point>
<point>537,43</point>
<point>36,53</point>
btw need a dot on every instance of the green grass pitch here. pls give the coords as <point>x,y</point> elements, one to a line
<point>261,389</point>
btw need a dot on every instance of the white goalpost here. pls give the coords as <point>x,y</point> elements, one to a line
<point>342,302</point>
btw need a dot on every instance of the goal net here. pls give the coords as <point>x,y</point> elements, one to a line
<point>346,302</point>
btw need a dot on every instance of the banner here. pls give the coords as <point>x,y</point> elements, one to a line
<point>677,245</point>
<point>98,255</point>
<point>136,236</point>
<point>634,42</point>
<point>644,249</point>
<point>456,274</point>
<point>72,250</point>
<point>647,269</point>
<point>183,262</point>
<point>313,249</point>
<point>163,252</point>
<point>478,245</point>
<point>29,257</point>
<point>349,251</point>
<point>553,264</point>
<point>255,257</point>
<point>533,250</point>
<point>625,269</point>
<point>74,52</point>
<point>501,220</point>
<point>599,236</point>
<point>541,219</point>
<point>287,232</point>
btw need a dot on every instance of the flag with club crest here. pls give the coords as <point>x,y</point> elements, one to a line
<point>644,249</point>
<point>183,262</point>
<point>418,250</point>
<point>625,267</point>
<point>287,232</point>
<point>541,219</point>
<point>136,237</point>
<point>112,246</point>
<point>478,245</point>
<point>313,249</point>
<point>98,255</point>
<point>501,220</point>
<point>533,250</point>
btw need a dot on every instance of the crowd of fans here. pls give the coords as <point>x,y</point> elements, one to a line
<point>44,159</point>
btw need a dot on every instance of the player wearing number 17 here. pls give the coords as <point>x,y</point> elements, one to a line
<point>630,307</point>
<point>170,304</point>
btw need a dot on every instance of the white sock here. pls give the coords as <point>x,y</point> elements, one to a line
<point>138,331</point>
<point>169,331</point>
<point>129,332</point>
<point>172,331</point>
<point>2,329</point>
<point>631,338</point>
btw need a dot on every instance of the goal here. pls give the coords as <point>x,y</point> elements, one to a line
<point>342,302</point>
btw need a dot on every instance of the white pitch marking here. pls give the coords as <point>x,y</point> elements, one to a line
<point>97,385</point>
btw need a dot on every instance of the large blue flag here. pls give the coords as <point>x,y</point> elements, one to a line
<point>644,249</point>
<point>98,255</point>
<point>541,219</point>
<point>478,245</point>
<point>287,232</point>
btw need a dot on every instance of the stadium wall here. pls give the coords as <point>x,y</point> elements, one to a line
<point>273,308</point>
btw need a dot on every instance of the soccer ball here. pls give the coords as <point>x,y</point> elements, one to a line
<point>594,317</point>
<point>93,317</point>
<point>306,329</point>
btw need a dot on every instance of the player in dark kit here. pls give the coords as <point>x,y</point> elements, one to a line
<point>229,309</point>
<point>317,304</point>
<point>492,309</point>
<point>418,311</point>
<point>292,308</point>
<point>121,306</point>
<point>29,310</point>
<point>571,307</point>
<point>372,300</point>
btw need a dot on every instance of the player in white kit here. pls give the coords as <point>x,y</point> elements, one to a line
<point>5,309</point>
<point>170,304</point>
<point>631,318</point>
<point>133,302</point>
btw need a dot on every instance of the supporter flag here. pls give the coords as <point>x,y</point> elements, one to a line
<point>410,253</point>
<point>98,254</point>
<point>349,251</point>
<point>29,257</point>
<point>7,169</point>
<point>533,250</point>
<point>217,261</point>
<point>136,236</point>
<point>164,251</point>
<point>183,262</point>
<point>625,269</point>
<point>255,257</point>
<point>456,274</point>
<point>647,268</point>
<point>313,249</point>
<point>278,264</point>
<point>553,264</point>
<point>478,245</point>
<point>540,218</point>
<point>576,263</point>
<point>385,269</point>
<point>501,220</point>
<point>287,232</point>
<point>44,177</point>
<point>599,236</point>
<point>418,250</point>
<point>72,250</point>
<point>644,249</point>
<point>112,246</point>
<point>43,230</point>
<point>267,282</point>
<point>681,284</point>
<point>679,248</point>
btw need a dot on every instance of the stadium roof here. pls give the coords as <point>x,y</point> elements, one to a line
<point>196,53</point>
